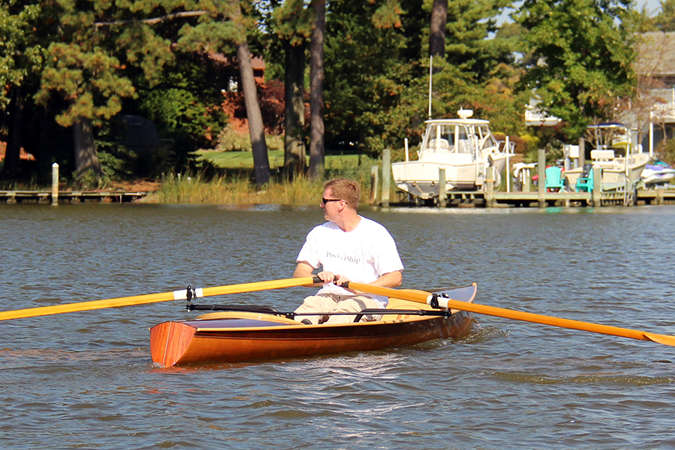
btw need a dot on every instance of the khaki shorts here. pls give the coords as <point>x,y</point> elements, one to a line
<point>329,303</point>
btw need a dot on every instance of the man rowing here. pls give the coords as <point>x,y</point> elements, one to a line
<point>348,247</point>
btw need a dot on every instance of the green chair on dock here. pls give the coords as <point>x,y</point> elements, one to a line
<point>585,182</point>
<point>554,179</point>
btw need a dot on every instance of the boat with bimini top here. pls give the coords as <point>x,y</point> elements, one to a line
<point>614,152</point>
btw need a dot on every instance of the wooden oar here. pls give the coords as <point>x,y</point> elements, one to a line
<point>159,297</point>
<point>438,301</point>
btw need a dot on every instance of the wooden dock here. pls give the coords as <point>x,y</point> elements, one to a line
<point>477,199</point>
<point>26,196</point>
<point>489,197</point>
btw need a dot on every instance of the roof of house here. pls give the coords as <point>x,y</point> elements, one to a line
<point>656,54</point>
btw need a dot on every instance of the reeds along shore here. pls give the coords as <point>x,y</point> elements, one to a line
<point>196,189</point>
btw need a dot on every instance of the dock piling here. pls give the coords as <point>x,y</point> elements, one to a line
<point>55,184</point>
<point>386,176</point>
<point>374,182</point>
<point>508,163</point>
<point>541,178</point>
<point>597,187</point>
<point>442,194</point>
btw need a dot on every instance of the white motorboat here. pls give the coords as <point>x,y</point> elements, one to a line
<point>613,152</point>
<point>464,147</point>
<point>658,173</point>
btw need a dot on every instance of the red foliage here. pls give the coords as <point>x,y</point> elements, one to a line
<point>271,99</point>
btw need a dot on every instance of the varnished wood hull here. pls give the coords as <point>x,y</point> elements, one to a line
<point>248,337</point>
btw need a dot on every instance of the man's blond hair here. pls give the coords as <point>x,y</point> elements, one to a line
<point>345,189</point>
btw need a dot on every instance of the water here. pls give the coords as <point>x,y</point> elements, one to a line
<point>86,379</point>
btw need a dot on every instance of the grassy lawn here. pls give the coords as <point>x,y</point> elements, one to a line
<point>238,189</point>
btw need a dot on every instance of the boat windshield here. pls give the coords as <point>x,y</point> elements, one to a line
<point>609,137</point>
<point>486,139</point>
<point>458,137</point>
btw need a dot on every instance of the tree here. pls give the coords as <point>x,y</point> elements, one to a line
<point>439,17</point>
<point>665,19</point>
<point>83,73</point>
<point>21,58</point>
<point>317,76</point>
<point>255,124</point>
<point>213,35</point>
<point>366,72</point>
<point>291,23</point>
<point>85,76</point>
<point>579,56</point>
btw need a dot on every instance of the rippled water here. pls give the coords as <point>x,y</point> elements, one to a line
<point>86,379</point>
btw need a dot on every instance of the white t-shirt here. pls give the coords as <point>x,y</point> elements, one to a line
<point>362,255</point>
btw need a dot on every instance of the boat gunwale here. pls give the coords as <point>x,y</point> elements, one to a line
<point>409,318</point>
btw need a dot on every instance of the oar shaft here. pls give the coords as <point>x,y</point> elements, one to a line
<point>259,286</point>
<point>547,320</point>
<point>87,306</point>
<point>155,298</point>
<point>427,297</point>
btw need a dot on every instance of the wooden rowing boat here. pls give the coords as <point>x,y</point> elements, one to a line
<point>241,336</point>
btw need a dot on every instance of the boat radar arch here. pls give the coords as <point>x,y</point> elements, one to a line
<point>464,113</point>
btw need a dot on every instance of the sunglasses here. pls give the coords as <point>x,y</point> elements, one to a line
<point>326,200</point>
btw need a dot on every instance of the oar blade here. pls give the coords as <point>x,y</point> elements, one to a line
<point>661,338</point>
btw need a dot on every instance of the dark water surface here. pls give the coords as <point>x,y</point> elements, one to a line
<point>86,379</point>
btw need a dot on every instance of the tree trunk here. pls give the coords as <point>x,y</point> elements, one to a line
<point>294,116</point>
<point>439,17</point>
<point>85,149</point>
<point>10,169</point>
<point>316,144</point>
<point>256,128</point>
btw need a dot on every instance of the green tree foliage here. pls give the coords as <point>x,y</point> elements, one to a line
<point>470,46</point>
<point>80,71</point>
<point>20,53</point>
<point>365,73</point>
<point>578,58</point>
<point>376,94</point>
<point>87,80</point>
<point>665,19</point>
<point>21,60</point>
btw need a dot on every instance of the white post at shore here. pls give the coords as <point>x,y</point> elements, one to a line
<point>651,135</point>
<point>55,184</point>
<point>407,154</point>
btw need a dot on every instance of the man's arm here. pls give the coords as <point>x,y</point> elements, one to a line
<point>389,280</point>
<point>303,269</point>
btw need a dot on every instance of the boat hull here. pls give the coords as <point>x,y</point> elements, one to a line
<point>613,173</point>
<point>251,337</point>
<point>421,178</point>
<point>653,175</point>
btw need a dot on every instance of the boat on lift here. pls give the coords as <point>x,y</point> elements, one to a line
<point>464,147</point>
<point>658,174</point>
<point>614,152</point>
